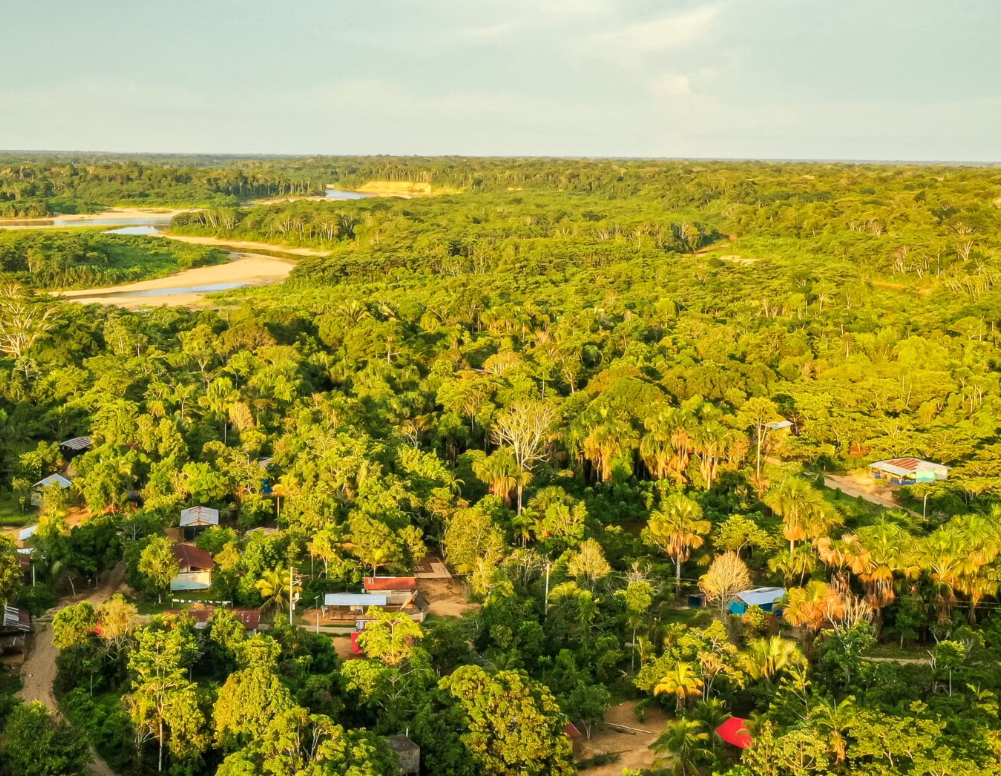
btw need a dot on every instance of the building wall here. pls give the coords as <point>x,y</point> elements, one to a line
<point>192,580</point>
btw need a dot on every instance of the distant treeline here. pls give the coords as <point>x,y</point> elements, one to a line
<point>35,189</point>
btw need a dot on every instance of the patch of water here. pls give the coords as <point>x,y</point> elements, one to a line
<point>341,194</point>
<point>136,230</point>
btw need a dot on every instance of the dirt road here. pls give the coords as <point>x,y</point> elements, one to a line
<point>38,672</point>
<point>633,748</point>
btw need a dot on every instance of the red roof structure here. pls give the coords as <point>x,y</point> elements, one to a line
<point>377,584</point>
<point>191,557</point>
<point>355,648</point>
<point>734,731</point>
<point>571,730</point>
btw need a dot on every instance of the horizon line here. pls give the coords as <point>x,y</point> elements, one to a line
<point>541,157</point>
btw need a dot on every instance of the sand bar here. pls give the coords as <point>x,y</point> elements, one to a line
<point>189,287</point>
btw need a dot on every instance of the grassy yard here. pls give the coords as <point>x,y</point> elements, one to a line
<point>10,512</point>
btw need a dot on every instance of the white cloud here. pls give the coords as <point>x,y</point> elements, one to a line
<point>672,85</point>
<point>629,44</point>
<point>490,31</point>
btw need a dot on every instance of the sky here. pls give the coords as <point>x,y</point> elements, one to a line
<point>776,79</point>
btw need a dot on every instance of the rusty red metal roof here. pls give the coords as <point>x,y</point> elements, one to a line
<point>192,557</point>
<point>373,584</point>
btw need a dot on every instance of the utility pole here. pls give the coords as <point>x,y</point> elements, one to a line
<point>545,610</point>
<point>291,587</point>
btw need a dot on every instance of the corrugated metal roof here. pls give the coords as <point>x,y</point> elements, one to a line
<point>762,595</point>
<point>390,583</point>
<point>199,516</point>
<point>901,466</point>
<point>192,557</point>
<point>19,619</point>
<point>26,533</point>
<point>53,479</point>
<point>354,599</point>
<point>77,443</point>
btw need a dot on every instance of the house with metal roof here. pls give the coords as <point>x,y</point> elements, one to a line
<point>194,520</point>
<point>763,597</point>
<point>15,625</point>
<point>195,568</point>
<point>908,471</point>
<point>396,589</point>
<point>52,481</point>
<point>75,446</point>
<point>408,755</point>
<point>26,533</point>
<point>15,619</point>
<point>355,600</point>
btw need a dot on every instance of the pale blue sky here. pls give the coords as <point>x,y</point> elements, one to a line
<point>844,79</point>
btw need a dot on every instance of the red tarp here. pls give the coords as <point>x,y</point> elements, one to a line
<point>733,732</point>
<point>354,643</point>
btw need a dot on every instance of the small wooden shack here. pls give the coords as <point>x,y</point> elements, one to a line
<point>576,739</point>
<point>15,625</point>
<point>71,448</point>
<point>409,755</point>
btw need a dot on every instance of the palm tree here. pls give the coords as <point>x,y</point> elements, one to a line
<point>681,747</point>
<point>804,513</point>
<point>767,658</point>
<point>273,587</point>
<point>941,553</point>
<point>711,713</point>
<point>681,681</point>
<point>608,436</point>
<point>876,554</point>
<point>677,528</point>
<point>219,396</point>
<point>667,444</point>
<point>709,443</point>
<point>833,721</point>
<point>499,471</point>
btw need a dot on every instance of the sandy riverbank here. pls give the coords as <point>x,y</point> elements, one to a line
<point>82,219</point>
<point>245,245</point>
<point>245,269</point>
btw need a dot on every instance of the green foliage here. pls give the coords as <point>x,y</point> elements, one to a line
<point>83,259</point>
<point>37,743</point>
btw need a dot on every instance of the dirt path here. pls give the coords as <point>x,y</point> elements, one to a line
<point>902,660</point>
<point>861,487</point>
<point>633,748</point>
<point>190,286</point>
<point>446,598</point>
<point>38,672</point>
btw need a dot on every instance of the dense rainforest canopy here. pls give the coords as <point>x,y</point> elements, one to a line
<point>597,389</point>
